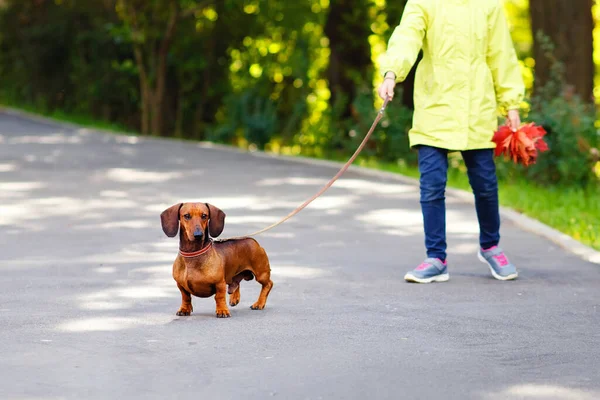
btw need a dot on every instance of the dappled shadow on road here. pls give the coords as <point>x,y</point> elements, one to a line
<point>86,206</point>
<point>542,392</point>
<point>86,287</point>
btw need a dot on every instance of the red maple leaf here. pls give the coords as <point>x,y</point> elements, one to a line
<point>521,146</point>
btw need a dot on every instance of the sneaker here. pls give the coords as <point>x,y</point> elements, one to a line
<point>501,268</point>
<point>431,270</point>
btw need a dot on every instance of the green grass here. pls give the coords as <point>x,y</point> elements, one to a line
<point>573,211</point>
<point>58,115</point>
<point>89,122</point>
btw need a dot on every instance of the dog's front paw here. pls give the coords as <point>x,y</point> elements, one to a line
<point>223,313</point>
<point>257,306</point>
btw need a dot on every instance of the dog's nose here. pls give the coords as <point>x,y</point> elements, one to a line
<point>198,233</point>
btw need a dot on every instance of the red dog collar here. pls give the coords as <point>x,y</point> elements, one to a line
<point>196,253</point>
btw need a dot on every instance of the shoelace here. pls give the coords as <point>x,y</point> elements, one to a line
<point>426,265</point>
<point>502,260</point>
<point>423,266</point>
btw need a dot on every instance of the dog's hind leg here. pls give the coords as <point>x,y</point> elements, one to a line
<point>186,302</point>
<point>234,287</point>
<point>263,276</point>
<point>267,285</point>
<point>234,298</point>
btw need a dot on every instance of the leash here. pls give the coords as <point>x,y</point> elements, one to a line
<point>330,183</point>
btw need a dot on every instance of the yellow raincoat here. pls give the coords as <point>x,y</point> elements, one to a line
<point>468,73</point>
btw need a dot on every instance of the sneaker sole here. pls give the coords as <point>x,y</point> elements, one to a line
<point>438,278</point>
<point>494,273</point>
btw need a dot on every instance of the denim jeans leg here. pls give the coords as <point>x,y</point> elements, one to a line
<point>482,177</point>
<point>433,168</point>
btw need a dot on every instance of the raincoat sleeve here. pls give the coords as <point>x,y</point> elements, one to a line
<point>406,41</point>
<point>503,62</point>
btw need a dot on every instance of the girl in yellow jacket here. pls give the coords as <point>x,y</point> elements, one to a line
<point>469,71</point>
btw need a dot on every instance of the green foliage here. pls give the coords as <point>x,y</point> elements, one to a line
<point>389,142</point>
<point>290,76</point>
<point>572,136</point>
<point>253,72</point>
<point>62,55</point>
<point>253,115</point>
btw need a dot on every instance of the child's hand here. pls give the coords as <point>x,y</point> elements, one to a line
<point>386,89</point>
<point>513,120</point>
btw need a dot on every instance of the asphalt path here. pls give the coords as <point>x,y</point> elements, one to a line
<point>87,300</point>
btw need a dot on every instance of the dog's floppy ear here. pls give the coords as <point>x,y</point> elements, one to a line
<point>217,220</point>
<point>170,220</point>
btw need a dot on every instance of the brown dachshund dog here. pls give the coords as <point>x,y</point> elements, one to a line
<point>205,267</point>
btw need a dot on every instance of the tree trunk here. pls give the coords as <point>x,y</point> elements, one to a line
<point>146,102</point>
<point>569,24</point>
<point>145,90</point>
<point>348,30</point>
<point>206,82</point>
<point>216,71</point>
<point>152,66</point>
<point>179,113</point>
<point>161,70</point>
<point>157,110</point>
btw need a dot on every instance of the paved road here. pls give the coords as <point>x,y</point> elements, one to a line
<point>87,302</point>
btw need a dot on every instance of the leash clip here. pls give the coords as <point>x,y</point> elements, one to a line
<point>385,103</point>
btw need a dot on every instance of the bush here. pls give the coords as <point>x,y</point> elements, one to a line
<point>572,136</point>
<point>63,56</point>
<point>251,114</point>
<point>389,142</point>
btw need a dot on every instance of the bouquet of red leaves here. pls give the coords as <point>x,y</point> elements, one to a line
<point>521,146</point>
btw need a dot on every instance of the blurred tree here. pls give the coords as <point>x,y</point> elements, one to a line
<point>569,24</point>
<point>35,44</point>
<point>63,56</point>
<point>350,67</point>
<point>200,64</point>
<point>152,26</point>
<point>272,70</point>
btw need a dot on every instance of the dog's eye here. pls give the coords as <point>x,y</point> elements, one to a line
<point>187,216</point>
<point>204,216</point>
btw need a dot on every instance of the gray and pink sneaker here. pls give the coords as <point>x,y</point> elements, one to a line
<point>501,268</point>
<point>430,270</point>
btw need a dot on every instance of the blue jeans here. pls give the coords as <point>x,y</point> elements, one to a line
<point>481,169</point>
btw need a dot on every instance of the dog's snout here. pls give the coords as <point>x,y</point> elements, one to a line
<point>198,233</point>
